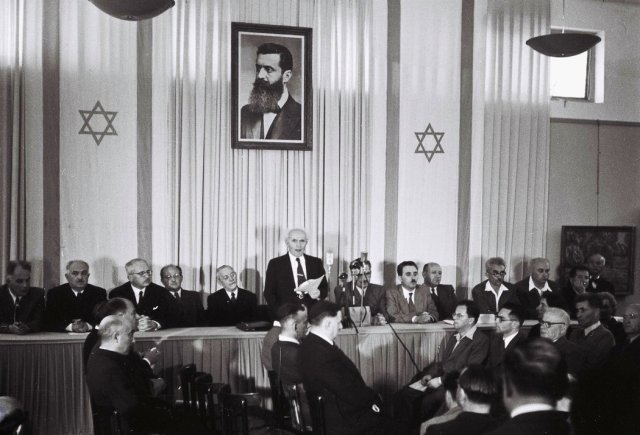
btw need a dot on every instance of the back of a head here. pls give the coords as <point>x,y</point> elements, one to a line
<point>535,368</point>
<point>321,310</point>
<point>12,415</point>
<point>113,324</point>
<point>478,384</point>
<point>109,308</point>
<point>288,310</point>
<point>515,311</point>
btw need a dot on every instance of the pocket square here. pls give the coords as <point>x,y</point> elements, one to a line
<point>156,307</point>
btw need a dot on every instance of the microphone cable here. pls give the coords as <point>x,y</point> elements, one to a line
<point>405,348</point>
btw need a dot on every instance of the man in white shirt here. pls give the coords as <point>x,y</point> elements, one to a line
<point>535,286</point>
<point>491,294</point>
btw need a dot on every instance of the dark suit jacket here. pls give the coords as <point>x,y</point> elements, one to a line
<point>155,303</point>
<point>467,423</point>
<point>284,355</point>
<point>600,285</point>
<point>467,352</point>
<point>328,371</point>
<point>30,310</point>
<point>573,354</point>
<point>398,306</point>
<point>63,305</point>
<point>616,329</point>
<point>497,350</point>
<point>280,283</point>
<point>535,423</point>
<point>445,301</point>
<point>187,311</point>
<point>374,297</point>
<point>486,301</point>
<point>598,344</point>
<point>531,299</point>
<point>221,312</point>
<point>287,124</point>
<point>267,343</point>
<point>569,297</point>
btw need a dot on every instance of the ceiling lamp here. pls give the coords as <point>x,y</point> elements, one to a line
<point>563,44</point>
<point>133,10</point>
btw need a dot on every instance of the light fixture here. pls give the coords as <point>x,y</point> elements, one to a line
<point>133,10</point>
<point>563,44</point>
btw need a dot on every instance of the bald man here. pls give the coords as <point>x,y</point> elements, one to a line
<point>597,283</point>
<point>535,286</point>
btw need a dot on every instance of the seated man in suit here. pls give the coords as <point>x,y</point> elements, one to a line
<point>597,339</point>
<point>508,334</point>
<point>364,293</point>
<point>21,306</point>
<point>533,287</point>
<point>491,294</point>
<point>187,309</point>
<point>476,392</point>
<point>554,325</point>
<point>576,285</point>
<point>597,283</point>
<point>149,299</point>
<point>284,352</point>
<point>535,378</point>
<point>351,407</point>
<point>285,275</point>
<point>408,302</point>
<point>231,304</point>
<point>70,306</point>
<point>443,295</point>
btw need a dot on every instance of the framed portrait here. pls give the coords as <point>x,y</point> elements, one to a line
<point>271,88</point>
<point>615,244</point>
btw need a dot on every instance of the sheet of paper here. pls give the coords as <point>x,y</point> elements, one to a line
<point>417,385</point>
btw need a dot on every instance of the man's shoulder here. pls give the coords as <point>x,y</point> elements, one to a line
<point>246,293</point>
<point>480,338</point>
<point>246,111</point>
<point>375,288</point>
<point>277,261</point>
<point>393,291</point>
<point>446,288</point>
<point>292,106</point>
<point>312,259</point>
<point>602,333</point>
<point>35,293</point>
<point>120,290</point>
<point>479,287</point>
<point>522,285</point>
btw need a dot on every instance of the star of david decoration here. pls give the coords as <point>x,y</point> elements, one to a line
<point>437,136</point>
<point>100,115</point>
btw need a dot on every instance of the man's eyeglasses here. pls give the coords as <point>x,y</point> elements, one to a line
<point>496,273</point>
<point>548,324</point>
<point>502,319</point>
<point>231,275</point>
<point>630,316</point>
<point>143,273</point>
<point>459,316</point>
<point>177,275</point>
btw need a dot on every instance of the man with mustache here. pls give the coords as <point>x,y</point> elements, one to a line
<point>272,113</point>
<point>409,302</point>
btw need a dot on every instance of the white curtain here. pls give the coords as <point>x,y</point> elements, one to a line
<point>214,205</point>
<point>510,144</point>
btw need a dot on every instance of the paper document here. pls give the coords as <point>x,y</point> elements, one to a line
<point>417,385</point>
<point>310,286</point>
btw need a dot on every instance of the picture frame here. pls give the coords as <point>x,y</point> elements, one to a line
<point>271,104</point>
<point>616,244</point>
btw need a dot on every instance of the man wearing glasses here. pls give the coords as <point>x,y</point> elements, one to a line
<point>187,309</point>
<point>360,292</point>
<point>508,323</point>
<point>21,306</point>
<point>554,326</point>
<point>150,300</point>
<point>231,304</point>
<point>491,294</point>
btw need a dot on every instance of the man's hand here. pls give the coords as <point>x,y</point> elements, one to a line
<point>79,326</point>
<point>19,328</point>
<point>157,386</point>
<point>380,320</point>
<point>152,355</point>
<point>434,383</point>
<point>145,324</point>
<point>424,318</point>
<point>425,379</point>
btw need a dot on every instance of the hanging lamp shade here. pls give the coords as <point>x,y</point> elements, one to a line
<point>133,10</point>
<point>563,44</point>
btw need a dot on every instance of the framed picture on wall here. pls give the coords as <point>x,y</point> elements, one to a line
<point>615,244</point>
<point>271,101</point>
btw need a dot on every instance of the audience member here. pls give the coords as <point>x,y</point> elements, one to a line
<point>629,350</point>
<point>508,334</point>
<point>364,293</point>
<point>595,338</point>
<point>597,283</point>
<point>607,313</point>
<point>443,295</point>
<point>535,378</point>
<point>576,285</point>
<point>450,385</point>
<point>287,275</point>
<point>267,344</point>
<point>531,289</point>
<point>351,407</point>
<point>149,299</point>
<point>408,302</point>
<point>476,392</point>
<point>21,306</point>
<point>187,311</point>
<point>491,294</point>
<point>70,306</point>
<point>231,304</point>
<point>554,326</point>
<point>284,353</point>
<point>547,301</point>
<point>13,417</point>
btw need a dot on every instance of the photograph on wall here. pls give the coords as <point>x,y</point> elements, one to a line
<point>271,87</point>
<point>615,244</point>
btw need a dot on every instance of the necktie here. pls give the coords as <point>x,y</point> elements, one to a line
<point>300,273</point>
<point>15,309</point>
<point>140,296</point>
<point>177,296</point>
<point>433,291</point>
<point>233,297</point>
<point>412,307</point>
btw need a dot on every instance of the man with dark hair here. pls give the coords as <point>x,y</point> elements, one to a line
<point>450,385</point>
<point>491,294</point>
<point>607,312</point>
<point>535,378</point>
<point>408,302</point>
<point>284,353</point>
<point>597,283</point>
<point>535,286</point>
<point>443,295</point>
<point>70,306</point>
<point>21,306</point>
<point>231,304</point>
<point>576,285</point>
<point>554,326</point>
<point>476,393</point>
<point>272,113</point>
<point>187,310</point>
<point>360,292</point>
<point>509,320</point>
<point>595,338</point>
<point>351,407</point>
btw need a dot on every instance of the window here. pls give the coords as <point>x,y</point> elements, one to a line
<point>574,78</point>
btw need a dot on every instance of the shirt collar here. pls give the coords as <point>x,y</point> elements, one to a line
<point>137,290</point>
<point>406,292</point>
<point>321,336</point>
<point>293,258</point>
<point>545,288</point>
<point>588,330</point>
<point>531,407</point>
<point>488,288</point>
<point>507,338</point>
<point>229,292</point>
<point>178,293</point>
<point>286,338</point>
<point>468,334</point>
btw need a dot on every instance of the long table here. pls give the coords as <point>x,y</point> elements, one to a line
<point>45,371</point>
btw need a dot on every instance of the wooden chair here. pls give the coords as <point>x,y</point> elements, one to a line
<point>235,411</point>
<point>279,402</point>
<point>107,421</point>
<point>296,397</point>
<point>188,374</point>
<point>317,402</point>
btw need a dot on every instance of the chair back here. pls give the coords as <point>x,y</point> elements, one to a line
<point>317,402</point>
<point>235,409</point>
<point>201,384</point>
<point>215,413</point>
<point>277,397</point>
<point>108,421</point>
<point>187,373</point>
<point>299,410</point>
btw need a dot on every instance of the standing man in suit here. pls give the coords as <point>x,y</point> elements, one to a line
<point>360,292</point>
<point>554,326</point>
<point>577,285</point>
<point>509,320</point>
<point>408,302</point>
<point>533,287</point>
<point>535,378</point>
<point>149,299</point>
<point>444,295</point>
<point>351,407</point>
<point>231,304</point>
<point>285,274</point>
<point>21,306</point>
<point>187,311</point>
<point>70,306</point>
<point>597,283</point>
<point>272,113</point>
<point>491,294</point>
<point>597,339</point>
